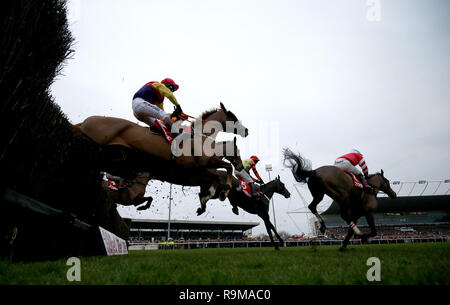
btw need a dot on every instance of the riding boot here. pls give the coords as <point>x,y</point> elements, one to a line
<point>255,195</point>
<point>169,125</point>
<point>160,128</point>
<point>366,186</point>
<point>155,128</point>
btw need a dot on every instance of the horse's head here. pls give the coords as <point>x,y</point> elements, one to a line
<point>280,188</point>
<point>379,181</point>
<point>234,156</point>
<point>228,120</point>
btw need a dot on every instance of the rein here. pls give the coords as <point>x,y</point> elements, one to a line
<point>186,117</point>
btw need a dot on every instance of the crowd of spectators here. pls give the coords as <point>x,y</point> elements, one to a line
<point>393,232</point>
<point>337,233</point>
<point>142,240</point>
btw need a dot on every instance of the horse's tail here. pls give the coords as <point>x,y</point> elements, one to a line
<point>301,167</point>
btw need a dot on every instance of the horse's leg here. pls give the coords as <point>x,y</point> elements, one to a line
<point>206,192</point>
<point>317,198</point>
<point>269,226</point>
<point>349,235</point>
<point>215,163</point>
<point>141,200</point>
<point>277,235</point>
<point>346,215</point>
<point>371,222</point>
<point>205,196</point>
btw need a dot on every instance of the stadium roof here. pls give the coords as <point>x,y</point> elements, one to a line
<point>191,225</point>
<point>405,204</point>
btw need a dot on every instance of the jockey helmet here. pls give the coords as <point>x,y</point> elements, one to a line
<point>254,158</point>
<point>356,151</point>
<point>169,81</point>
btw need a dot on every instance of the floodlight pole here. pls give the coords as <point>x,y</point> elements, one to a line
<point>269,169</point>
<point>170,205</point>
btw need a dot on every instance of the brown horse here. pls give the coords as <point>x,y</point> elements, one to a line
<point>111,131</point>
<point>338,185</point>
<point>230,152</point>
<point>130,192</point>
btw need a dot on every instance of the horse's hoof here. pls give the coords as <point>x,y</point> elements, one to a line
<point>342,249</point>
<point>222,196</point>
<point>200,211</point>
<point>235,210</point>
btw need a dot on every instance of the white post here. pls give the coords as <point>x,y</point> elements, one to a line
<point>170,205</point>
<point>269,169</point>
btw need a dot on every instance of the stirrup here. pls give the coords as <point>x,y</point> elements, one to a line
<point>155,129</point>
<point>161,129</point>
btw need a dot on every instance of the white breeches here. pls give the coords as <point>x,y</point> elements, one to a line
<point>147,112</point>
<point>345,164</point>
<point>244,176</point>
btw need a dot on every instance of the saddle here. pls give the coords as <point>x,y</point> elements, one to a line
<point>161,129</point>
<point>356,182</point>
<point>115,186</point>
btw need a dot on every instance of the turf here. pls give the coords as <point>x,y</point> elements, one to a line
<point>402,264</point>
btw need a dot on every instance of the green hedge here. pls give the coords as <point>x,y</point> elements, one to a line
<point>40,155</point>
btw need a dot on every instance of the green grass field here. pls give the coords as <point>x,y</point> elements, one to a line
<point>404,264</point>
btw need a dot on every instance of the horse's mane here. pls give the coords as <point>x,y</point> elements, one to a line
<point>373,175</point>
<point>207,113</point>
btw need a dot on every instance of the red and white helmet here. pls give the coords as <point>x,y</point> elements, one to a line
<point>254,158</point>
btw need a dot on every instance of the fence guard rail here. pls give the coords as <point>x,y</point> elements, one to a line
<point>260,244</point>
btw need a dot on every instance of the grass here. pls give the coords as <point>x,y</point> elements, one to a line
<point>402,264</point>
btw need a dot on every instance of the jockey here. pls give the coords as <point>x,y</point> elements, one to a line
<point>148,105</point>
<point>251,164</point>
<point>349,162</point>
<point>245,176</point>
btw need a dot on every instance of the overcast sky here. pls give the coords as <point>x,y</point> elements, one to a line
<point>320,77</point>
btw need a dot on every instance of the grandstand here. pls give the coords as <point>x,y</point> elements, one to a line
<point>422,209</point>
<point>405,216</point>
<point>157,230</point>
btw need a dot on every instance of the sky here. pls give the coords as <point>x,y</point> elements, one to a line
<point>320,77</point>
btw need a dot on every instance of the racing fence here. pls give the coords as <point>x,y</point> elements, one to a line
<point>261,244</point>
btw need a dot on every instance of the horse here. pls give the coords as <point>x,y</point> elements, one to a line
<point>258,207</point>
<point>110,131</point>
<point>234,158</point>
<point>130,191</point>
<point>337,184</point>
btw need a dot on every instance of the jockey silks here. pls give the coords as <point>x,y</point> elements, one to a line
<point>154,93</point>
<point>356,159</point>
<point>250,164</point>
